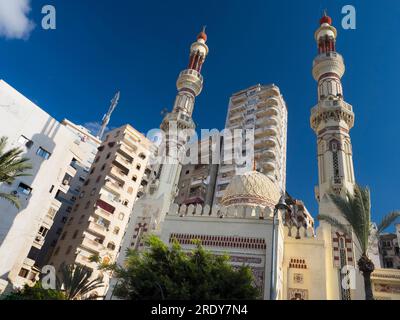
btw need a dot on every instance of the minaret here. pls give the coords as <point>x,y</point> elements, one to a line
<point>332,118</point>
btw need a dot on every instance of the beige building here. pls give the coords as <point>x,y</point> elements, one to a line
<point>88,145</point>
<point>98,220</point>
<point>197,181</point>
<point>260,108</point>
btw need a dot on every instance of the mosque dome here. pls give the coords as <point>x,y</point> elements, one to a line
<point>251,188</point>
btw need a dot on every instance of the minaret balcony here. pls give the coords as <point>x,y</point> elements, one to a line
<point>330,62</point>
<point>191,80</point>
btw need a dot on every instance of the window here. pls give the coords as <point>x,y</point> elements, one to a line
<point>111,144</point>
<point>64,219</point>
<point>24,189</point>
<point>103,167</point>
<point>93,192</point>
<point>134,178</point>
<point>87,205</point>
<point>43,153</point>
<point>121,216</point>
<point>23,273</point>
<point>57,250</point>
<point>81,179</point>
<point>51,189</point>
<point>92,170</point>
<point>87,182</point>
<point>97,159</point>
<point>108,155</point>
<point>82,194</point>
<point>75,234</point>
<point>98,178</point>
<point>73,198</point>
<point>116,230</point>
<point>68,250</point>
<point>43,231</point>
<point>138,167</point>
<point>388,263</point>
<point>125,203</point>
<point>63,235</point>
<point>101,148</point>
<point>142,156</point>
<point>111,246</point>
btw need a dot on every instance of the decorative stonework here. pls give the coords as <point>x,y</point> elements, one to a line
<point>297,294</point>
<point>348,247</point>
<point>298,278</point>
<point>387,288</point>
<point>297,263</point>
<point>220,241</point>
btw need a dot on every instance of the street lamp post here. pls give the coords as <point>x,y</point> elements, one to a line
<point>281,205</point>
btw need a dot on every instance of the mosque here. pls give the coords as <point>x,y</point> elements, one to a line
<point>256,222</point>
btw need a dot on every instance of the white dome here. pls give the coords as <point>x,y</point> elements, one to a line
<point>251,188</point>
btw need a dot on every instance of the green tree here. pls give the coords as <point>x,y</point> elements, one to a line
<point>170,273</point>
<point>37,292</point>
<point>76,283</point>
<point>12,165</point>
<point>356,210</point>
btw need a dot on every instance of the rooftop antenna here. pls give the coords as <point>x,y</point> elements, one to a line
<point>107,116</point>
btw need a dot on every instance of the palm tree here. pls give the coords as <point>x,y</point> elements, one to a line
<point>75,280</point>
<point>356,210</point>
<point>12,165</point>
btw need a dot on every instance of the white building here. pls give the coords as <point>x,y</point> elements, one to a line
<point>261,109</point>
<point>53,153</point>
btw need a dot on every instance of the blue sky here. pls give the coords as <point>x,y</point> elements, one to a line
<point>139,47</point>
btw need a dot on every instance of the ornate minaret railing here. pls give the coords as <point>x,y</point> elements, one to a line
<point>332,118</point>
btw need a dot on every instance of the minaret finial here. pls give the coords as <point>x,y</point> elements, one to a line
<point>204,28</point>
<point>325,12</point>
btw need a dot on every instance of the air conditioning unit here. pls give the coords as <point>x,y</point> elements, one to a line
<point>15,192</point>
<point>39,238</point>
<point>65,182</point>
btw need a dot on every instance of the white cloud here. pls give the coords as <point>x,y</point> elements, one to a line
<point>14,20</point>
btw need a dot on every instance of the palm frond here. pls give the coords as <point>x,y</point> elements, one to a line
<point>387,221</point>
<point>11,198</point>
<point>335,223</point>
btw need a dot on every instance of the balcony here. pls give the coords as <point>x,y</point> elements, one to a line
<point>105,206</point>
<point>266,142</point>
<point>128,145</point>
<point>269,166</point>
<point>266,131</point>
<point>97,228</point>
<point>118,173</point>
<point>92,245</point>
<point>113,185</point>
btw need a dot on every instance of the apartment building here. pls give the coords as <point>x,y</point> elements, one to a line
<point>389,249</point>
<point>98,219</point>
<point>53,154</point>
<point>197,181</point>
<point>88,145</point>
<point>260,108</point>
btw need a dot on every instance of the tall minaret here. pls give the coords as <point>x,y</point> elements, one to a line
<point>332,118</point>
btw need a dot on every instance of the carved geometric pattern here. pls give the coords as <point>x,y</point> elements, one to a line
<point>297,294</point>
<point>220,241</point>
<point>387,288</point>
<point>242,259</point>
<point>298,278</point>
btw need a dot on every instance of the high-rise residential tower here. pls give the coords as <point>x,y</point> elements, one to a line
<point>98,220</point>
<point>260,108</point>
